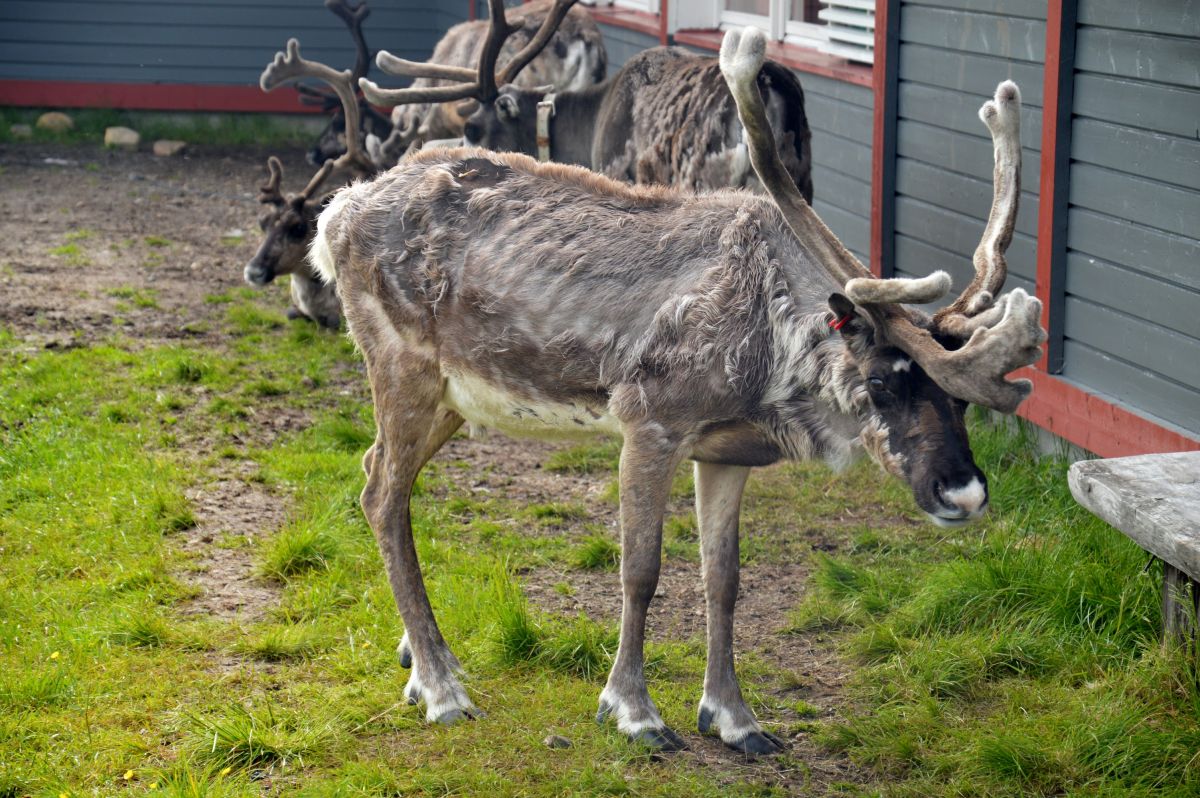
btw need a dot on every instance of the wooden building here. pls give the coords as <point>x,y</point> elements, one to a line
<point>1109,229</point>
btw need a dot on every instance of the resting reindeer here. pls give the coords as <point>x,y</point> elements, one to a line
<point>574,60</point>
<point>725,328</point>
<point>289,222</point>
<point>666,117</point>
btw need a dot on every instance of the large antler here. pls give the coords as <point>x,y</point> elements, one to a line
<point>481,83</point>
<point>354,16</point>
<point>291,66</point>
<point>269,192</point>
<point>1002,339</point>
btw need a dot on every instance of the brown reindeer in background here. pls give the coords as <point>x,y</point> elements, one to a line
<point>727,328</point>
<point>666,117</point>
<point>289,222</point>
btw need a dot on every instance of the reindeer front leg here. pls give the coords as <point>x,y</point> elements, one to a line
<point>648,459</point>
<point>718,507</point>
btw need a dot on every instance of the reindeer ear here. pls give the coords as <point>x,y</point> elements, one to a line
<point>507,106</point>
<point>855,328</point>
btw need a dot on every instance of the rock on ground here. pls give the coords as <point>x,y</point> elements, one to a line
<point>121,137</point>
<point>165,148</point>
<point>55,121</point>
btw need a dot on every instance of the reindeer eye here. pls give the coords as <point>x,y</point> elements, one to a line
<point>297,230</point>
<point>875,384</point>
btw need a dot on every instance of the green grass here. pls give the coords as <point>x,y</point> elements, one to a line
<point>1016,657</point>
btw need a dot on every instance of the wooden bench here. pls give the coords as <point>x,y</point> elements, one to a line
<point>1155,500</point>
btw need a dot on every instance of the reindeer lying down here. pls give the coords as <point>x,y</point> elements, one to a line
<point>727,328</point>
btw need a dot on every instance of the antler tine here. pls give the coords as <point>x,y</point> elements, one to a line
<point>354,16</point>
<point>479,83</point>
<point>538,43</point>
<point>269,191</point>
<point>1002,115</point>
<point>291,66</point>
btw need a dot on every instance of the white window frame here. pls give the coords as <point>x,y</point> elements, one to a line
<point>647,6</point>
<point>777,26</point>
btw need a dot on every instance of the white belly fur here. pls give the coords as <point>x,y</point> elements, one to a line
<point>485,405</point>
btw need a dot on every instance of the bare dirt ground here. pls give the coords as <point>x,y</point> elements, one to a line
<point>110,210</point>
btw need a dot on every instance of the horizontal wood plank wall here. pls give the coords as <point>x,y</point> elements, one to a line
<point>1132,309</point>
<point>952,55</point>
<point>198,41</point>
<point>840,116</point>
<point>623,44</point>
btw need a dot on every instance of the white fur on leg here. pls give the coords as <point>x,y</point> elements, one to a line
<point>734,723</point>
<point>442,698</point>
<point>631,718</point>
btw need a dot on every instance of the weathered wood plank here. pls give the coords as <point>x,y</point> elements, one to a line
<point>1145,343</point>
<point>1141,295</point>
<point>1139,390</point>
<point>836,89</point>
<point>1155,156</point>
<point>1176,17</point>
<point>952,191</point>
<point>1180,604</point>
<point>1136,199</point>
<point>1154,499</point>
<point>955,110</point>
<point>854,231</point>
<point>1162,254</point>
<point>1005,37</point>
<point>1140,56</point>
<point>969,72</point>
<point>847,157</point>
<point>961,152</point>
<point>1166,109</point>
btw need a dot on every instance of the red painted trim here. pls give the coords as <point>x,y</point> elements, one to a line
<point>879,77</point>
<point>663,33</point>
<point>1050,144</point>
<point>801,59</point>
<point>628,18</point>
<point>150,96</point>
<point>1095,424</point>
<point>470,10</point>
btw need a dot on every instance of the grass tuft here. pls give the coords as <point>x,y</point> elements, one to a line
<point>598,553</point>
<point>298,550</point>
<point>592,458</point>
<point>239,737</point>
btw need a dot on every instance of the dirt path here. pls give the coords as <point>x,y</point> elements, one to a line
<point>84,232</point>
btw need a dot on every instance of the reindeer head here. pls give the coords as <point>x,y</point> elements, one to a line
<point>918,372</point>
<point>498,114</point>
<point>289,222</point>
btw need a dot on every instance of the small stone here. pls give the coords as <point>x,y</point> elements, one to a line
<point>55,122</point>
<point>20,131</point>
<point>121,137</point>
<point>166,148</point>
<point>557,741</point>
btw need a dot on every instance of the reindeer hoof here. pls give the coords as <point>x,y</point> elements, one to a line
<point>452,717</point>
<point>704,722</point>
<point>759,743</point>
<point>405,658</point>
<point>294,313</point>
<point>662,739</point>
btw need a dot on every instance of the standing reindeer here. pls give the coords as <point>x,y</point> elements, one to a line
<point>331,142</point>
<point>728,328</point>
<point>574,59</point>
<point>666,117</point>
<point>289,222</point>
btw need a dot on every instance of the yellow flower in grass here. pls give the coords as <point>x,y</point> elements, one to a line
<point>366,644</point>
<point>128,775</point>
<point>227,770</point>
<point>154,785</point>
<point>55,655</point>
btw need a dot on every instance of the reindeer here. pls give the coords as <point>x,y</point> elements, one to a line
<point>729,328</point>
<point>575,60</point>
<point>666,117</point>
<point>331,142</point>
<point>289,222</point>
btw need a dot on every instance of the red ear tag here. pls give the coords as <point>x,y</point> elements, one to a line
<point>838,324</point>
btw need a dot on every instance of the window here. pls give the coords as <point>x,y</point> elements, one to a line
<point>648,6</point>
<point>795,21</point>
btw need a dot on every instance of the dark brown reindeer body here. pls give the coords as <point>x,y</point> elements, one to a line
<point>544,299</point>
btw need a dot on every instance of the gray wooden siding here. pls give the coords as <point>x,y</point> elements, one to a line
<point>1133,266</point>
<point>952,55</point>
<point>623,44</point>
<point>198,41</point>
